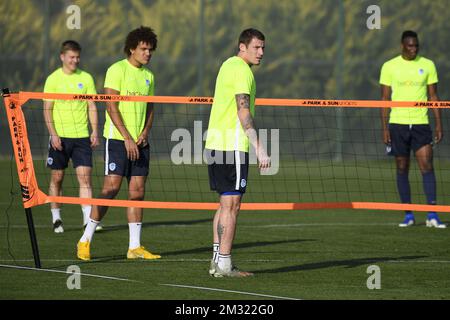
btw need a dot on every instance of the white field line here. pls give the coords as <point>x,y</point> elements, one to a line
<point>207,260</point>
<point>343,224</point>
<point>230,291</point>
<point>65,272</point>
<point>156,261</point>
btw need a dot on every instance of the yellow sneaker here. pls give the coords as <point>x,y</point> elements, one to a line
<point>141,253</point>
<point>83,250</point>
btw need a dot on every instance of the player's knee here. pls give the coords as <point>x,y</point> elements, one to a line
<point>109,193</point>
<point>232,207</point>
<point>57,178</point>
<point>136,195</point>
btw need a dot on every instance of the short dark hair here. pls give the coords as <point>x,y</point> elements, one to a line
<point>71,45</point>
<point>409,34</point>
<point>248,34</point>
<point>141,34</point>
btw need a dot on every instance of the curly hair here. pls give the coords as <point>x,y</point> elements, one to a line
<point>142,34</point>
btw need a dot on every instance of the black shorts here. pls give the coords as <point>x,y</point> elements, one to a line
<point>405,137</point>
<point>77,149</point>
<point>117,162</point>
<point>228,171</point>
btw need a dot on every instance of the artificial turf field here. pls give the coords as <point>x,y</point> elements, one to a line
<point>320,254</point>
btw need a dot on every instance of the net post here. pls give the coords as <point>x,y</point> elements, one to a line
<point>34,244</point>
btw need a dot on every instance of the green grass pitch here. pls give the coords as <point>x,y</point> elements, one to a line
<point>303,255</point>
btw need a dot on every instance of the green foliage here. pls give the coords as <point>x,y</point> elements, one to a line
<point>302,58</point>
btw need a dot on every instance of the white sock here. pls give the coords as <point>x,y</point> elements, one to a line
<point>56,214</point>
<point>135,235</point>
<point>216,252</point>
<point>89,231</point>
<point>86,214</point>
<point>225,262</point>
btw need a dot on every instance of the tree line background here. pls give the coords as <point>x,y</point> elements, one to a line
<point>314,49</point>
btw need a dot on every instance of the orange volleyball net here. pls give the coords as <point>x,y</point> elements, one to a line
<point>33,193</point>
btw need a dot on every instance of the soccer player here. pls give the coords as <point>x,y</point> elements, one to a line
<point>67,124</point>
<point>126,132</point>
<point>230,130</point>
<point>411,77</point>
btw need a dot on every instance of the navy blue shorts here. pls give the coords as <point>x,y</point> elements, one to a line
<point>228,171</point>
<point>405,137</point>
<point>77,149</point>
<point>117,162</point>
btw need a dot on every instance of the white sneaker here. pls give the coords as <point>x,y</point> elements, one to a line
<point>407,223</point>
<point>98,228</point>
<point>233,272</point>
<point>212,268</point>
<point>58,226</point>
<point>435,223</point>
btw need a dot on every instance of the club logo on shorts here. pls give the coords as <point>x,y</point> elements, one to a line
<point>147,82</point>
<point>49,161</point>
<point>112,166</point>
<point>243,183</point>
<point>80,85</point>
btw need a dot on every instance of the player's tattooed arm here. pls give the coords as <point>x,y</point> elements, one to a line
<point>243,105</point>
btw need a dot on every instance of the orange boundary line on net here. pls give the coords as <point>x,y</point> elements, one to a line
<point>250,206</point>
<point>24,96</point>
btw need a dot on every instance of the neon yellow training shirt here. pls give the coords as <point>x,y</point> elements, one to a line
<point>408,81</point>
<point>70,117</point>
<point>225,131</point>
<point>130,81</point>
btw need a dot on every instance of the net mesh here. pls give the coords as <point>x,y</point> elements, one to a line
<point>325,155</point>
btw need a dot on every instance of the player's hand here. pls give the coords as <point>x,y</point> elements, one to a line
<point>55,142</point>
<point>386,137</point>
<point>94,140</point>
<point>263,158</point>
<point>438,135</point>
<point>132,149</point>
<point>142,140</point>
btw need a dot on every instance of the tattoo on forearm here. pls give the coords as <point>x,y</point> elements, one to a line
<point>247,123</point>
<point>243,101</point>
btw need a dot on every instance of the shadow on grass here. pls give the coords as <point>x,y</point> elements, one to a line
<point>155,224</point>
<point>123,258</point>
<point>237,246</point>
<point>337,263</point>
<point>120,227</point>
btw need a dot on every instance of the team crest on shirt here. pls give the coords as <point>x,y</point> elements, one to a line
<point>80,86</point>
<point>50,161</point>
<point>112,166</point>
<point>243,183</point>
<point>421,71</point>
<point>147,82</point>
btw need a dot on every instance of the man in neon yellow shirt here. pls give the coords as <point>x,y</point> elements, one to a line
<point>230,132</point>
<point>411,77</point>
<point>127,152</point>
<point>67,123</point>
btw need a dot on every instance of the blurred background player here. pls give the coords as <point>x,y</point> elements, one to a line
<point>230,129</point>
<point>67,124</point>
<point>127,151</point>
<point>411,77</point>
